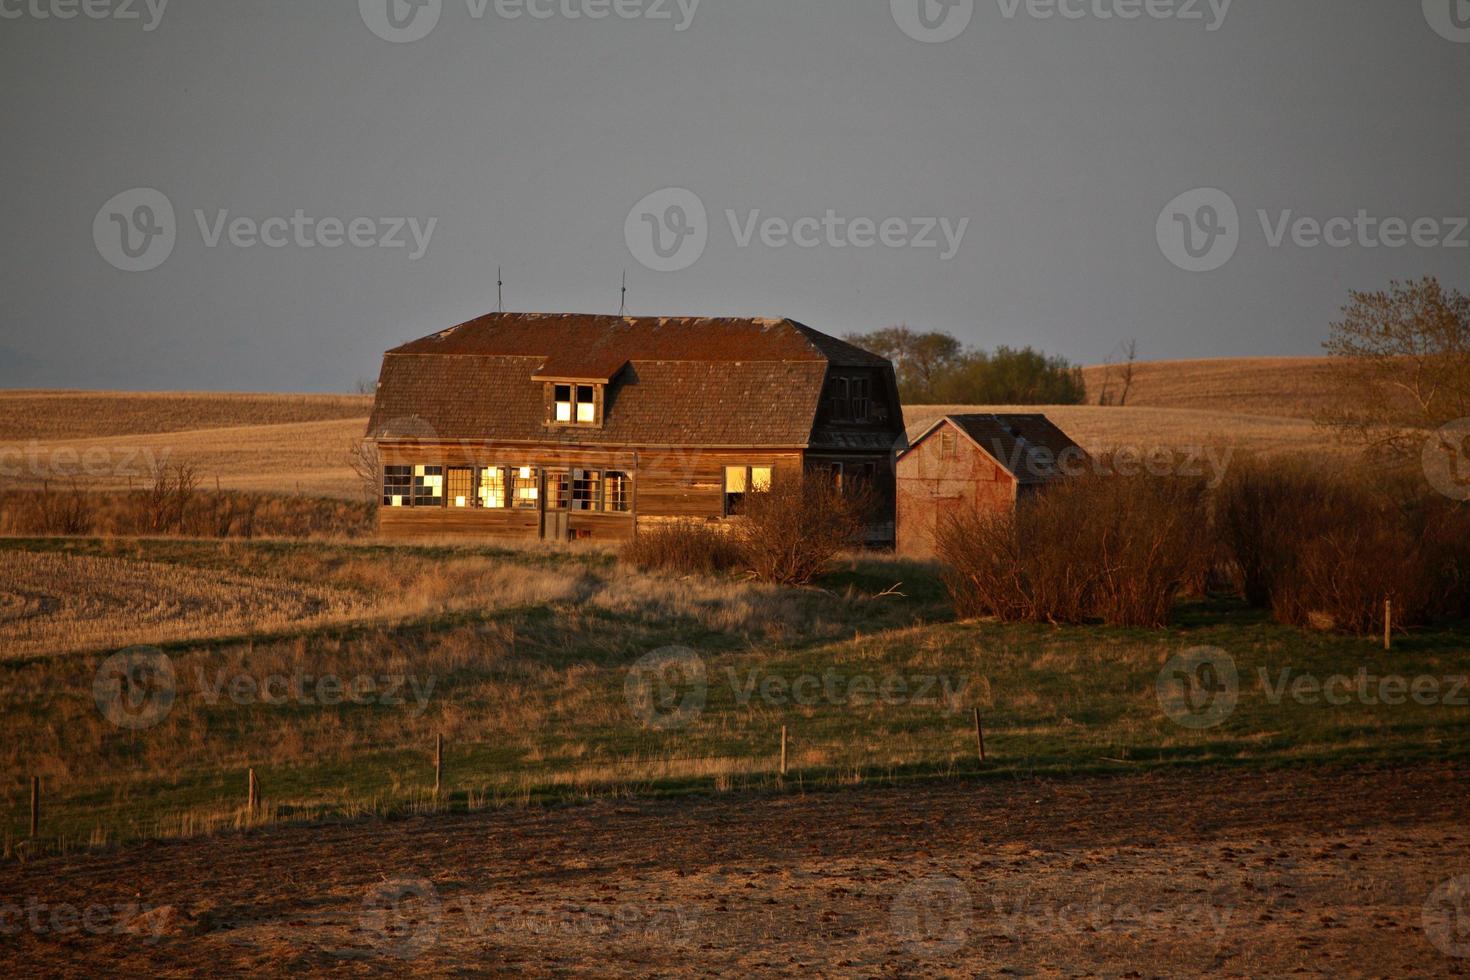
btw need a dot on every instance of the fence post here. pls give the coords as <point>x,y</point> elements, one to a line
<point>35,806</point>
<point>252,798</point>
<point>979,736</point>
<point>783,750</point>
<point>438,764</point>
<point>1388,622</point>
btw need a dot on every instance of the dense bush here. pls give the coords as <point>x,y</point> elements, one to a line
<point>1324,546</point>
<point>1118,549</point>
<point>789,534</point>
<point>786,535</point>
<point>684,547</point>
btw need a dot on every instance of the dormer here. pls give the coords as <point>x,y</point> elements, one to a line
<point>576,386</point>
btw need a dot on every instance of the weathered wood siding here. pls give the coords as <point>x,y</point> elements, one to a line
<point>931,486</point>
<point>667,484</point>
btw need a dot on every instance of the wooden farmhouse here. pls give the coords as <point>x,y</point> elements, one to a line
<point>961,463</point>
<point>562,427</point>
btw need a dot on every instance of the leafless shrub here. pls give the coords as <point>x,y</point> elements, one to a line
<point>166,501</point>
<point>684,547</point>
<point>1324,546</point>
<point>366,463</point>
<point>789,534</point>
<point>63,512</point>
<point>1113,548</point>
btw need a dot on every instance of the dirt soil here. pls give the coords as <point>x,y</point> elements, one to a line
<point>1343,873</point>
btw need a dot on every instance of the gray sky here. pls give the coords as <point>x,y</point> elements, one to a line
<point>530,140</point>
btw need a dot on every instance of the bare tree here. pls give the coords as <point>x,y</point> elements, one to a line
<point>363,457</point>
<point>1130,352</point>
<point>1401,359</point>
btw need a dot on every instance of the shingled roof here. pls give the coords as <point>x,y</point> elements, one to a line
<point>673,381</point>
<point>1013,441</point>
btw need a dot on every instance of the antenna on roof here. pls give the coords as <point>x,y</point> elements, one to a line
<point>499,291</point>
<point>623,303</point>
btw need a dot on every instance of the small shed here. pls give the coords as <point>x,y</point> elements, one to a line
<point>961,463</point>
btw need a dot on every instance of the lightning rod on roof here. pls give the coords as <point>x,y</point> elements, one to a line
<point>623,303</point>
<point>499,291</point>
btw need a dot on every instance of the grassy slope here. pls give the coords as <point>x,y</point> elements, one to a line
<point>532,699</point>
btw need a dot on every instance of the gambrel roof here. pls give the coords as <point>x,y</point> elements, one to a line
<point>671,381</point>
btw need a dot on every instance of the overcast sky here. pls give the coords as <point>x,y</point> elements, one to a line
<point>1003,175</point>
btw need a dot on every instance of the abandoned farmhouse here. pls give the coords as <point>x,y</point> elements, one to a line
<point>563,427</point>
<point>566,427</point>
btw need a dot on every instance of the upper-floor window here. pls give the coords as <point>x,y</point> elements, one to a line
<point>850,399</point>
<point>574,404</point>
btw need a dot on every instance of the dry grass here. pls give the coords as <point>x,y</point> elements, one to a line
<point>1284,387</point>
<point>49,415</point>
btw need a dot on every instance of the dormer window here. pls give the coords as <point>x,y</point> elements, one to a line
<point>575,404</point>
<point>850,399</point>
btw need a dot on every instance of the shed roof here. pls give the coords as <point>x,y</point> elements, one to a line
<point>1027,446</point>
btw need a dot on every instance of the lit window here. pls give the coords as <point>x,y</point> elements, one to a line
<point>558,489</point>
<point>575,404</point>
<point>528,490</point>
<point>398,486</point>
<point>461,484</point>
<point>618,492</point>
<point>740,480</point>
<point>492,488</point>
<point>586,486</point>
<point>428,486</point>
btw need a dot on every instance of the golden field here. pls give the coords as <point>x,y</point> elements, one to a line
<point>300,444</point>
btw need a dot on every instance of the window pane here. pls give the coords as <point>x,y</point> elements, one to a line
<point>760,478</point>
<point>461,488</point>
<point>585,486</point>
<point>528,492</point>
<point>558,489</point>
<point>586,413</point>
<point>398,486</point>
<point>563,403</point>
<point>492,488</point>
<point>734,479</point>
<point>428,486</point>
<point>619,493</point>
